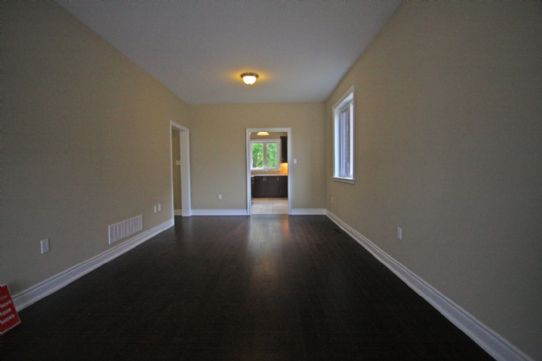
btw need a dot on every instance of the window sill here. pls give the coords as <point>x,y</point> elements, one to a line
<point>344,180</point>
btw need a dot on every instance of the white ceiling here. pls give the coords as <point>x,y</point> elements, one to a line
<point>198,48</point>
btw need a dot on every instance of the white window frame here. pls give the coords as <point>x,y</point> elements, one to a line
<point>345,102</point>
<point>265,141</point>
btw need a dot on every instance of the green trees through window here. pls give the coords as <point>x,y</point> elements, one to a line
<point>265,155</point>
<point>271,155</point>
<point>257,155</point>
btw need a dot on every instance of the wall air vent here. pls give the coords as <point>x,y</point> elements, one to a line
<point>125,228</point>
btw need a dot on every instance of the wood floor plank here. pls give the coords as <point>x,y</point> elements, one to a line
<point>268,287</point>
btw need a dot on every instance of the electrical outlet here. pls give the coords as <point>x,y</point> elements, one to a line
<point>295,161</point>
<point>154,209</point>
<point>399,233</point>
<point>219,196</point>
<point>159,207</point>
<point>44,246</point>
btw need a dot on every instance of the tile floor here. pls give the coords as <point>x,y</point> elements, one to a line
<point>269,205</point>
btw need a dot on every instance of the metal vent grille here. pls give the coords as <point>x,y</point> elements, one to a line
<point>125,228</point>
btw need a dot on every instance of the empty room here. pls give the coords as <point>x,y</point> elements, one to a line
<point>271,180</point>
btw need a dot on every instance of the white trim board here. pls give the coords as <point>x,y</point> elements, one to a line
<point>308,211</point>
<point>493,343</point>
<point>54,283</point>
<point>220,212</point>
<point>243,212</point>
<point>186,188</point>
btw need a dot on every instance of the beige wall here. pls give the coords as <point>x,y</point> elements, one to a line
<point>85,142</point>
<point>448,111</point>
<point>218,153</point>
<point>176,157</point>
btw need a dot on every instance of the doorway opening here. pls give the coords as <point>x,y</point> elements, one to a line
<point>180,174</point>
<point>269,178</point>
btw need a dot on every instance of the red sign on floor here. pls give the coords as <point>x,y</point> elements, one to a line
<point>8,315</point>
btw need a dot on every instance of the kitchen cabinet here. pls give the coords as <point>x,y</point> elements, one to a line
<point>269,186</point>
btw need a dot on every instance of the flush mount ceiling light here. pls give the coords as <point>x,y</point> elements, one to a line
<point>262,134</point>
<point>249,78</point>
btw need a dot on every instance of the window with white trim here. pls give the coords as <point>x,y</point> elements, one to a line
<point>343,134</point>
<point>265,154</point>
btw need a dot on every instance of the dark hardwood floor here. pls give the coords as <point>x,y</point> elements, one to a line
<point>239,288</point>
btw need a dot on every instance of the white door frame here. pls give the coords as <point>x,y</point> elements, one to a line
<point>184,140</point>
<point>290,169</point>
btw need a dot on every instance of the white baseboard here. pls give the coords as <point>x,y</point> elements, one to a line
<point>54,283</point>
<point>219,212</point>
<point>178,212</point>
<point>486,338</point>
<point>243,212</point>
<point>307,211</point>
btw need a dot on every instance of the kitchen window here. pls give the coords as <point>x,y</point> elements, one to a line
<point>265,154</point>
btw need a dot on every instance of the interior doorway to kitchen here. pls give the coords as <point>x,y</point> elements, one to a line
<point>268,175</point>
